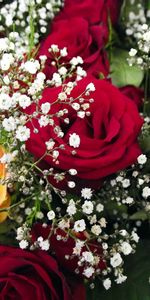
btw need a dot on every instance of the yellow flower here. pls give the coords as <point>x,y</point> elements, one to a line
<point>4,196</point>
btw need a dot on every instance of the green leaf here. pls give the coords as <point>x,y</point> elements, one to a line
<point>139,215</point>
<point>121,73</point>
<point>137,286</point>
<point>145,144</point>
<point>6,226</point>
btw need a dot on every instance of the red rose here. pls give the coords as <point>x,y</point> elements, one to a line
<point>87,43</point>
<point>135,93</point>
<point>61,248</point>
<point>31,275</point>
<point>108,137</point>
<point>95,11</point>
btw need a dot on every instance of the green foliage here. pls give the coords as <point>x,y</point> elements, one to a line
<point>137,286</point>
<point>6,233</point>
<point>139,215</point>
<point>145,143</point>
<point>121,73</point>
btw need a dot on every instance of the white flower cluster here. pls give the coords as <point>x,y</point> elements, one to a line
<point>140,55</point>
<point>136,18</point>
<point>74,66</point>
<point>19,15</point>
<point>29,73</point>
<point>12,93</point>
<point>92,251</point>
<point>120,192</point>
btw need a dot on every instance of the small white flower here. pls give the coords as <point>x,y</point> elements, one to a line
<point>9,20</point>
<point>51,215</point>
<point>6,61</point>
<point>43,121</point>
<point>81,72</point>
<point>88,272</point>
<point>121,278</point>
<point>43,58</point>
<point>4,44</point>
<point>73,172</point>
<point>5,101</point>
<point>45,107</point>
<point>62,96</point>
<point>96,229</point>
<point>99,207</point>
<point>102,222</point>
<point>6,158</point>
<point>74,140</point>
<point>76,60</point>
<point>126,248</point>
<point>28,211</point>
<point>41,76</point>
<point>88,257</point>
<point>140,181</point>
<point>31,66</point>
<point>135,174</point>
<point>119,178</point>
<point>134,236</point>
<point>62,71</point>
<point>54,48</point>
<point>86,193</point>
<point>132,52</point>
<point>55,154</point>
<point>79,225</point>
<point>76,106</point>
<point>142,159</point>
<point>146,192</point>
<point>63,52</point>
<point>23,133</point>
<point>87,207</point>
<point>78,247</point>
<point>93,219</point>
<point>44,244</point>
<point>23,244</point>
<point>126,183</point>
<point>64,224</point>
<point>116,260</point>
<point>140,61</point>
<point>6,80</point>
<point>20,233</point>
<point>56,79</point>
<point>50,144</point>
<point>9,124</point>
<point>107,283</point>
<point>24,101</point>
<point>90,87</point>
<point>128,200</point>
<point>71,184</point>
<point>81,114</point>
<point>123,232</point>
<point>80,60</point>
<point>71,209</point>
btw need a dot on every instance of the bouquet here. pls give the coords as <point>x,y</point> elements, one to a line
<point>74,149</point>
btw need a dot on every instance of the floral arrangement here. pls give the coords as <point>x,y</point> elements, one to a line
<point>74,149</point>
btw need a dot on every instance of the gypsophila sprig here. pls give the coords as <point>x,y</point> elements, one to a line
<point>19,15</point>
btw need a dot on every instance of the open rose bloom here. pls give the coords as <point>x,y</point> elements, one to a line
<point>108,135</point>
